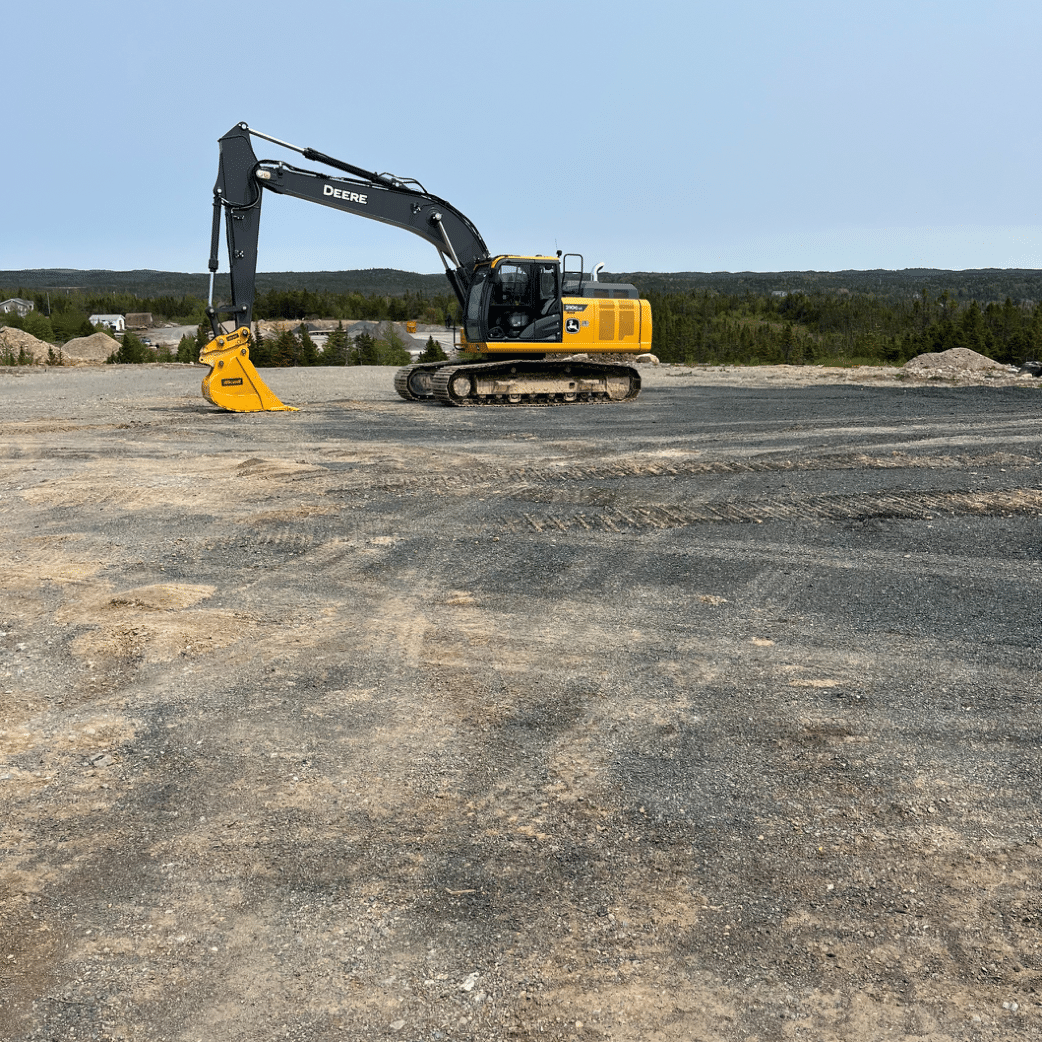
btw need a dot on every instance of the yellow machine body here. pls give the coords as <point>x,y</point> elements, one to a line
<point>597,326</point>
<point>607,318</point>
<point>233,382</point>
<point>607,325</point>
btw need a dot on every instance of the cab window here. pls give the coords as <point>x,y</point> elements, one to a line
<point>521,302</point>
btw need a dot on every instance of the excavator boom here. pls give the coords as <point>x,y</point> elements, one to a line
<point>239,191</point>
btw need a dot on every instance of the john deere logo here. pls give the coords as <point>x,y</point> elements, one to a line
<point>342,193</point>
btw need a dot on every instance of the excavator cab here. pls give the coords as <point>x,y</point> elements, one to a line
<point>514,299</point>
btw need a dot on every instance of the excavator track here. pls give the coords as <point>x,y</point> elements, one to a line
<point>534,382</point>
<point>414,382</point>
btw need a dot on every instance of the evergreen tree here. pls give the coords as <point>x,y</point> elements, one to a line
<point>308,353</point>
<point>131,351</point>
<point>187,349</point>
<point>1019,349</point>
<point>336,350</point>
<point>285,350</point>
<point>391,348</point>
<point>974,335</point>
<point>365,352</point>
<point>261,349</point>
<point>38,325</point>
<point>69,324</point>
<point>1035,335</point>
<point>432,352</point>
<point>24,356</point>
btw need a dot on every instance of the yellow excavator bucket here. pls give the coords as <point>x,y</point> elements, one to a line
<point>232,382</point>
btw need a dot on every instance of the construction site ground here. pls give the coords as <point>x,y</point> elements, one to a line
<point>710,716</point>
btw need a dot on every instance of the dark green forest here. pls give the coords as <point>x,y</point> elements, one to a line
<point>748,318</point>
<point>826,328</point>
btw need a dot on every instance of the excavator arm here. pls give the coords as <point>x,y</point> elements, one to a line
<point>233,382</point>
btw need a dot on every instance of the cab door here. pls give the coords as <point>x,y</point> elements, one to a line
<point>475,324</point>
<point>513,301</point>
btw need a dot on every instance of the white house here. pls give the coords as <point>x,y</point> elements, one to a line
<point>115,322</point>
<point>23,307</point>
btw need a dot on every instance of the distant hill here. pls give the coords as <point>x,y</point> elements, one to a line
<point>983,284</point>
<point>147,283</point>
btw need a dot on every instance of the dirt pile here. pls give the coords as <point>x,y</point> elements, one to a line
<point>954,361</point>
<point>17,341</point>
<point>87,349</point>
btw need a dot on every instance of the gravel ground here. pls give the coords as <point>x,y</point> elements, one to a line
<point>711,716</point>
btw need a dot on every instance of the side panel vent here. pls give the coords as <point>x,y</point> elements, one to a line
<point>627,320</point>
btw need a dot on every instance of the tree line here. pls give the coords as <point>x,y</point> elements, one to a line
<point>144,283</point>
<point>295,347</point>
<point>837,328</point>
<point>298,304</point>
<point>980,284</point>
<point>57,317</point>
<point>696,325</point>
<point>289,347</point>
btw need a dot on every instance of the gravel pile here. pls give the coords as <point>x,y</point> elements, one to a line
<point>87,349</point>
<point>955,360</point>
<point>15,340</point>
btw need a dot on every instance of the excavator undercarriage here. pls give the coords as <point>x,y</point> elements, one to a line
<point>518,382</point>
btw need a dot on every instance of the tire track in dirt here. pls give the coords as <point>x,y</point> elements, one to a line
<point>899,504</point>
<point>471,473</point>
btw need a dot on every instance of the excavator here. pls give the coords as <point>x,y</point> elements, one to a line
<point>533,321</point>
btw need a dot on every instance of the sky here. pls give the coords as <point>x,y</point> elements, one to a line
<point>747,135</point>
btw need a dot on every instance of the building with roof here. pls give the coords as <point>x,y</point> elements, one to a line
<point>117,323</point>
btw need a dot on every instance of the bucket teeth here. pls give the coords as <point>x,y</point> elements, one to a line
<point>232,382</point>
